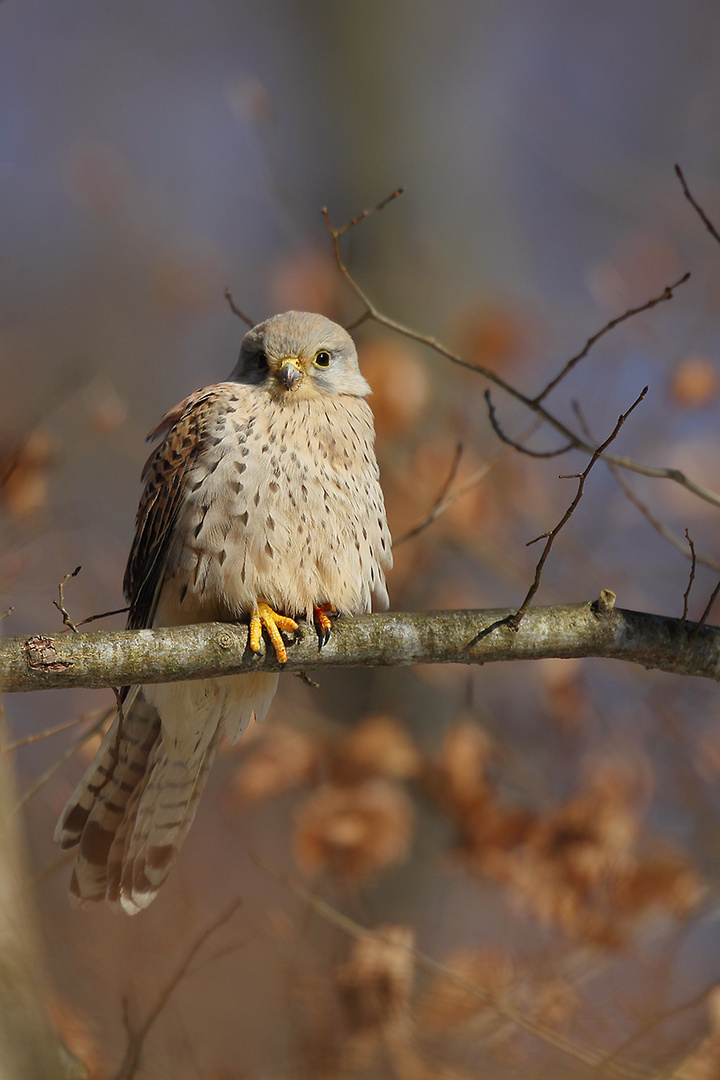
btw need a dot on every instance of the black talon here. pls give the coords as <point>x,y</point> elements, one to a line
<point>323,634</point>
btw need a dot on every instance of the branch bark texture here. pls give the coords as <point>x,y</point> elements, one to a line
<point>597,629</point>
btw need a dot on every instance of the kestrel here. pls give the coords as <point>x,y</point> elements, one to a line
<point>262,503</point>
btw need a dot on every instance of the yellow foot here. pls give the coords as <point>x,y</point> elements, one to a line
<point>264,616</point>
<point>323,622</point>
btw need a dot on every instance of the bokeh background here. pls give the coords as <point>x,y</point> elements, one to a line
<point>550,831</point>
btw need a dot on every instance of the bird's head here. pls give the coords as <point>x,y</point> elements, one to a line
<point>301,354</point>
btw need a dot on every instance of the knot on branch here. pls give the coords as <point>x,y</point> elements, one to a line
<point>604,606</point>
<point>41,654</point>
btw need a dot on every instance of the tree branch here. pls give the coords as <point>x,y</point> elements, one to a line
<point>119,658</point>
<point>550,537</point>
<point>372,312</point>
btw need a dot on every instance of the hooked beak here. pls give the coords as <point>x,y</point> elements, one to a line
<point>290,373</point>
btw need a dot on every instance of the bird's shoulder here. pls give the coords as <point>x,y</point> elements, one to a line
<point>186,434</point>
<point>183,429</point>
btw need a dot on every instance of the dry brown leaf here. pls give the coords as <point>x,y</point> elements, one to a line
<point>458,781</point>
<point>353,832</point>
<point>283,759</point>
<point>377,746</point>
<point>399,381</point>
<point>661,881</point>
<point>305,281</point>
<point>491,333</point>
<point>694,382</point>
<point>373,989</point>
<point>578,866</point>
<point>24,474</point>
<point>476,509</point>
<point>375,984</point>
<point>491,827</point>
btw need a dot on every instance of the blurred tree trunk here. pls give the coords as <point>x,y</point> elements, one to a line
<point>29,1048</point>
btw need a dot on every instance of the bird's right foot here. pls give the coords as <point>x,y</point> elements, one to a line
<point>263,617</point>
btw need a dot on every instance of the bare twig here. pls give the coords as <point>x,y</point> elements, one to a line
<point>440,501</point>
<point>696,206</point>
<point>236,310</point>
<point>6,613</point>
<point>550,537</point>
<point>452,497</point>
<point>46,734</point>
<point>495,423</point>
<point>686,594</point>
<point>305,678</point>
<point>138,1035</point>
<point>662,530</point>
<point>666,294</point>
<point>706,613</point>
<point>60,602</point>
<point>446,498</point>
<point>366,213</point>
<point>371,311</point>
<point>65,756</point>
<point>102,615</point>
<point>656,1021</point>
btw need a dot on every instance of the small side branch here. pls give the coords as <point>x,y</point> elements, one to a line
<point>236,310</point>
<point>693,561</point>
<point>696,205</point>
<point>515,620</point>
<point>365,213</point>
<point>706,613</point>
<point>440,501</point>
<point>371,311</point>
<point>666,294</point>
<point>662,530</point>
<point>60,602</point>
<point>138,1035</point>
<point>521,449</point>
<point>102,615</point>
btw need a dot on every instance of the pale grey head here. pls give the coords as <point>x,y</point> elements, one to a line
<point>301,353</point>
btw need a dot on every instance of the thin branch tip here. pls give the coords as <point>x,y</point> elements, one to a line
<point>236,310</point>
<point>696,205</point>
<point>336,233</point>
<point>60,602</point>
<point>550,536</point>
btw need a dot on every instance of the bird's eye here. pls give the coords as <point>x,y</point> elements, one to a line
<point>262,363</point>
<point>322,359</point>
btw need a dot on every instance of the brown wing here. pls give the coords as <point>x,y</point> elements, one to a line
<point>165,474</point>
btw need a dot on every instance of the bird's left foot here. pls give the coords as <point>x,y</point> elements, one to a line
<point>263,617</point>
<point>323,622</point>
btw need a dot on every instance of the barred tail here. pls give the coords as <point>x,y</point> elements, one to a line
<point>131,812</point>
